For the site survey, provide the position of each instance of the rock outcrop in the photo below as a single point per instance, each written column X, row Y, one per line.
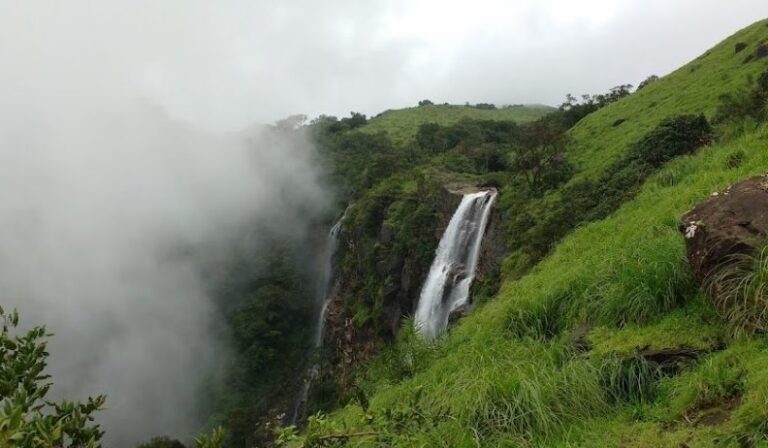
column 734, row 221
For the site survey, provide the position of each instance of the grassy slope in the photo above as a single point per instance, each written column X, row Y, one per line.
column 693, row 88
column 402, row 124
column 506, row 377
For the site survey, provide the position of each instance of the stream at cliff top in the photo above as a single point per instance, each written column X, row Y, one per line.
column 447, row 285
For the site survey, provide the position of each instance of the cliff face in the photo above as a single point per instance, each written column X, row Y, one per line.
column 359, row 325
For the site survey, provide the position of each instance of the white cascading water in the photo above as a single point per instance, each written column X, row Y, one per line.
column 324, row 297
column 453, row 269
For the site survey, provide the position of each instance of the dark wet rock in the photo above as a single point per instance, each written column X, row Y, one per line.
column 578, row 341
column 459, row 313
column 668, row 361
column 734, row 221
column 386, row 235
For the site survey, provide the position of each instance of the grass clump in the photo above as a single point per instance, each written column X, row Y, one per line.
column 739, row 289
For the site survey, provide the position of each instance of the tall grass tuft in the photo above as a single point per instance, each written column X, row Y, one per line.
column 739, row 288
column 631, row 380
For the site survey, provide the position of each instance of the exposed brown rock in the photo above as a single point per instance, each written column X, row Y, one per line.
column 734, row 221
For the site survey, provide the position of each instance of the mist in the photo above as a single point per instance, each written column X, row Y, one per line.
column 110, row 208
column 105, row 220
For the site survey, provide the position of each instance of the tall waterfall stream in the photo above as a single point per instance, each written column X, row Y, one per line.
column 447, row 285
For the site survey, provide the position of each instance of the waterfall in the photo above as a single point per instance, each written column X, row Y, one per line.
column 453, row 269
column 324, row 297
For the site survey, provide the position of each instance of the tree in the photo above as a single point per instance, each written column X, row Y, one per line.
column 27, row 418
column 355, row 120
column 425, row 103
column 647, row 81
column 539, row 155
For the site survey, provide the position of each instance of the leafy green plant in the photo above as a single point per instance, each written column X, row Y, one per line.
column 745, row 103
column 27, row 417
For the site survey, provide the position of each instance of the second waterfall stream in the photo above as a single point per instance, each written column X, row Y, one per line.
column 453, row 269
column 324, row 297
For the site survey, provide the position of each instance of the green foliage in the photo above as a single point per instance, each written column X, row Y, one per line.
column 409, row 355
column 672, row 138
column 506, row 375
column 735, row 159
column 647, row 81
column 214, row 439
column 267, row 302
column 360, row 160
column 27, row 417
column 402, row 125
column 573, row 110
column 539, row 156
column 162, row 442
column 537, row 225
column 745, row 104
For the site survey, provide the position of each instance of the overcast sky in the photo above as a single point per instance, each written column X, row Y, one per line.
column 226, row 63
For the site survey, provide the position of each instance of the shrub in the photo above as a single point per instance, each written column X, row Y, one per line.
column 735, row 159
column 537, row 225
column 745, row 104
column 647, row 81
column 162, row 442
column 673, row 137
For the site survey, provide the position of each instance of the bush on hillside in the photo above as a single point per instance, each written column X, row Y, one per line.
column 355, row 120
column 745, row 104
column 735, row 159
column 647, row 81
column 536, row 226
column 673, row 137
column 573, row 109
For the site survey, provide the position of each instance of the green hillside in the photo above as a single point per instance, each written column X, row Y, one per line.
column 402, row 124
column 511, row 373
column 694, row 88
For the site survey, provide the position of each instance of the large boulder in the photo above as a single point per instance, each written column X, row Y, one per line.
column 734, row 221
column 723, row 237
